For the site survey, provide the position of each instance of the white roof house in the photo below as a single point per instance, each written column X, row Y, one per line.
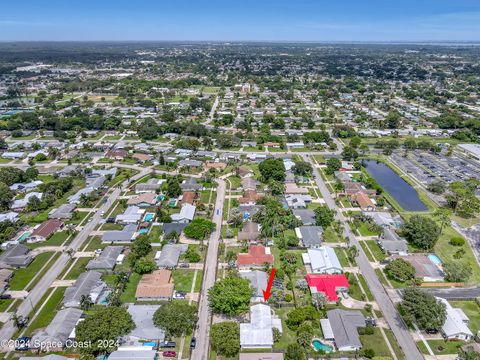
column 22, row 203
column 132, row 215
column 322, row 260
column 258, row 332
column 186, row 214
column 455, row 326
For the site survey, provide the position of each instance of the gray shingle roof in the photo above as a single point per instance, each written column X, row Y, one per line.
column 311, row 235
column 107, row 258
column 170, row 255
column 60, row 328
column 344, row 324
column 87, row 283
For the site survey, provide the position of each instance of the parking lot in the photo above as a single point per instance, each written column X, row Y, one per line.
column 427, row 168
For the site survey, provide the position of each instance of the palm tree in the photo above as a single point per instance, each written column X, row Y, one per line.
column 86, row 302
column 443, row 217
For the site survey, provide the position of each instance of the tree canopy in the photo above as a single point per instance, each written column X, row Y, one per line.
column 423, row 309
column 272, row 169
column 421, row 231
column 230, row 296
column 225, row 338
column 175, row 318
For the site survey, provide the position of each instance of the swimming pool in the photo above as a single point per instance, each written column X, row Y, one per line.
column 148, row 217
column 160, row 197
column 24, row 236
column 318, row 345
column 172, row 202
column 143, row 231
column 435, row 259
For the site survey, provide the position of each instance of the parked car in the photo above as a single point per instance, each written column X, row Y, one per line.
column 193, row 343
column 168, row 344
column 169, row 354
column 5, row 296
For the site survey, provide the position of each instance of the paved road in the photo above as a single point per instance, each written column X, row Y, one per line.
column 36, row 294
column 384, row 302
column 456, row 293
column 202, row 332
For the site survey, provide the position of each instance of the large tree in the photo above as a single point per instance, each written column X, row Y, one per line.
column 400, row 270
column 272, row 169
column 295, row 352
column 324, row 216
column 423, row 309
column 230, row 296
column 175, row 318
column 102, row 326
column 333, row 164
column 421, row 231
column 225, row 338
column 199, row 229
column 457, row 271
column 6, row 196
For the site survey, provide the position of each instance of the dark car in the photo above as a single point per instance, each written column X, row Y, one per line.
column 5, row 296
column 23, row 343
column 169, row 354
column 193, row 343
column 110, row 220
column 168, row 344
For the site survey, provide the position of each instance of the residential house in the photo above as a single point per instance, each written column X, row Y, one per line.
column 145, row 330
column 425, row 268
column 306, row 216
column 298, row 201
column 249, row 197
column 186, row 214
column 258, row 333
column 21, row 204
column 328, row 284
column 64, row 211
column 455, row 326
column 261, row 356
column 155, row 286
column 310, row 236
column 43, row 231
column 250, row 231
column 190, row 184
column 341, row 327
column 249, row 183
column 58, row 331
column 258, row 282
column 142, row 157
column 173, row 227
column 126, row 235
column 215, row 165
column 87, row 284
column 131, row 215
column 363, row 201
column 9, row 216
column 170, row 254
column 16, row 256
column 294, row 189
column 151, row 185
column 144, row 200
column 5, row 276
column 136, row 352
column 391, row 243
column 322, row 260
column 257, row 257
column 190, row 163
column 189, row 197
column 107, row 259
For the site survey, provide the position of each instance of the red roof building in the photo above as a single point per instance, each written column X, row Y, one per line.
column 328, row 284
column 47, row 228
column 257, row 256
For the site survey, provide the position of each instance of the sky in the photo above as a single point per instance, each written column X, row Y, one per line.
column 232, row 20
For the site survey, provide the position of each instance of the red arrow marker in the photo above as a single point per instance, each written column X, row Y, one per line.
column 267, row 293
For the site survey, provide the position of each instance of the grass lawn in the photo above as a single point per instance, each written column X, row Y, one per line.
column 205, row 196
column 48, row 312
column 78, row 268
column 440, row 347
column 183, row 278
column 235, row 181
column 56, row 239
column 128, row 295
column 78, row 217
column 365, row 287
column 95, row 243
column 375, row 342
column 393, row 341
column 288, row 336
column 375, row 249
column 472, row 310
column 364, row 231
column 111, row 226
column 445, row 251
column 354, row 289
column 198, row 281
column 329, row 235
column 366, row 250
column 342, row 256
column 5, row 303
column 21, row 277
column 381, row 277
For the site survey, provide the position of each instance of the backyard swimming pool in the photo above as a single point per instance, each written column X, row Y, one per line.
column 24, row 236
column 435, row 259
column 148, row 217
column 318, row 345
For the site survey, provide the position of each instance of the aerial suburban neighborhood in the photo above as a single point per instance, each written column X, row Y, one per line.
column 239, row 201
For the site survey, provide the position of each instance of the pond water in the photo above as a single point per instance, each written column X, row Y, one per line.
column 404, row 194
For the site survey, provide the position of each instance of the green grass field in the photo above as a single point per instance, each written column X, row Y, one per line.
column 21, row 277
column 182, row 279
